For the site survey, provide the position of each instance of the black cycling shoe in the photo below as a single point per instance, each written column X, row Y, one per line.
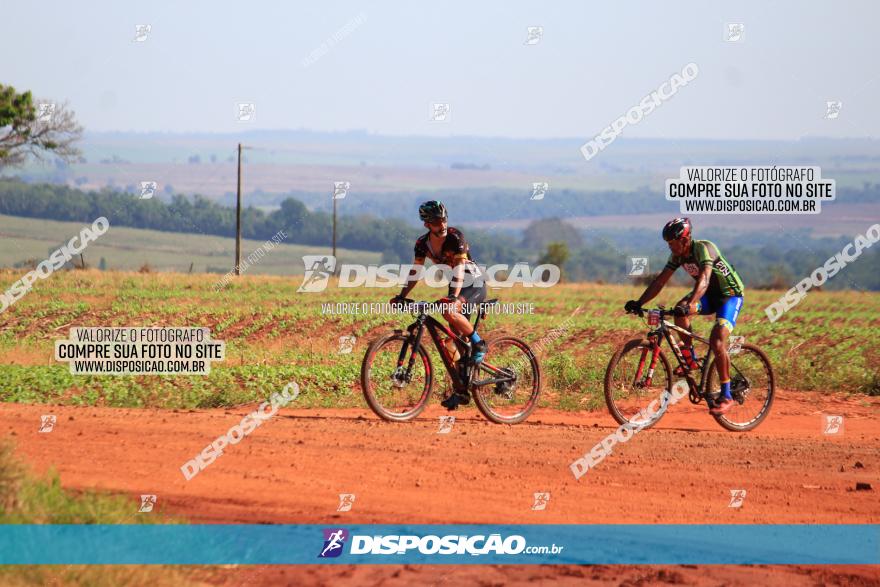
column 456, row 399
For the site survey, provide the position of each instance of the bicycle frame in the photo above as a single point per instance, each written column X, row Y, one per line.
column 665, row 331
column 461, row 379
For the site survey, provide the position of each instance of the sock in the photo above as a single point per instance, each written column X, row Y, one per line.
column 475, row 338
column 725, row 389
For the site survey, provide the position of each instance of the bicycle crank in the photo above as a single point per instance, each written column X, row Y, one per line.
column 693, row 395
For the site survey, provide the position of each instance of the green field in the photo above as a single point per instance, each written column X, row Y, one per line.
column 274, row 334
column 129, row 249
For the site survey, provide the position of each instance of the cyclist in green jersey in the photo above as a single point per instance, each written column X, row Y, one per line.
column 718, row 290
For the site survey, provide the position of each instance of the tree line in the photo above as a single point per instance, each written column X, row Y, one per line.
column 393, row 237
column 762, row 260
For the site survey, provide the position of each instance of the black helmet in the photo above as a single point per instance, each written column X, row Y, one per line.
column 677, row 228
column 432, row 210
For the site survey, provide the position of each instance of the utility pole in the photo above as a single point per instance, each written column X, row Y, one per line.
column 334, row 225
column 238, row 218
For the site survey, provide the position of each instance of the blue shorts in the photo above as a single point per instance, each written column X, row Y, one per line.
column 726, row 310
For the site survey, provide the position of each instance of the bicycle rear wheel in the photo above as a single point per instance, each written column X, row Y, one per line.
column 513, row 378
column 752, row 384
column 393, row 392
column 630, row 397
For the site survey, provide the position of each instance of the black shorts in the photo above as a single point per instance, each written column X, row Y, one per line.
column 472, row 295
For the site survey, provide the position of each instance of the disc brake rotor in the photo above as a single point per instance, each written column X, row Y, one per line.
column 739, row 388
column 399, row 378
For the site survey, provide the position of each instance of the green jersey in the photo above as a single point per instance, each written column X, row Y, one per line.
column 725, row 281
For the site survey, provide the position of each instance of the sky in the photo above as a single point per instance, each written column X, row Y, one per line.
column 381, row 66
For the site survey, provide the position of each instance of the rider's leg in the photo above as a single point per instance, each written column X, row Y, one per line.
column 687, row 343
column 685, row 322
column 724, row 324
column 473, row 295
column 718, row 343
column 459, row 324
column 457, row 321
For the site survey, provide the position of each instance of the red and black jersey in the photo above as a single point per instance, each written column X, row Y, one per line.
column 454, row 247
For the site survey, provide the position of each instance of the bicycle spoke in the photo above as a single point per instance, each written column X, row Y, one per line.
column 513, row 378
column 398, row 389
column 750, row 385
column 630, row 392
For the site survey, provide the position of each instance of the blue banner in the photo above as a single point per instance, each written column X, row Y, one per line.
column 439, row 544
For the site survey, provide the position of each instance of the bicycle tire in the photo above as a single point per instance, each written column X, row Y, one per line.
column 485, row 407
column 771, row 392
column 373, row 401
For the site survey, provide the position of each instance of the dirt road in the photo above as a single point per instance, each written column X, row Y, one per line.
column 293, row 468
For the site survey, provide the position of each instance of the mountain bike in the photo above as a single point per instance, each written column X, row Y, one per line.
column 397, row 375
column 639, row 373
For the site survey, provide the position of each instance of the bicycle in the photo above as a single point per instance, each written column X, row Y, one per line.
column 397, row 386
column 628, row 382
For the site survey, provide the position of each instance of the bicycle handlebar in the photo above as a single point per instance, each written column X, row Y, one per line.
column 676, row 311
column 413, row 305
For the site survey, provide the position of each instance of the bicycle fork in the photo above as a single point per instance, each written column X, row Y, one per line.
column 654, row 349
column 404, row 375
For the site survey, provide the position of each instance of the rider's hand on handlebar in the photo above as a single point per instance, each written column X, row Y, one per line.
column 446, row 301
column 633, row 307
column 682, row 310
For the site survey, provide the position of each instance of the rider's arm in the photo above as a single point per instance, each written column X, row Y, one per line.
column 412, row 279
column 705, row 253
column 701, row 286
column 656, row 286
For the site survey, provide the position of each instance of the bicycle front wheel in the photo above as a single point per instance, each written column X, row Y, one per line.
column 507, row 383
column 632, row 397
column 752, row 385
column 397, row 393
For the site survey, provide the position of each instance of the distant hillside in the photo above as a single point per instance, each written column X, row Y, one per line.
column 304, row 165
column 129, row 249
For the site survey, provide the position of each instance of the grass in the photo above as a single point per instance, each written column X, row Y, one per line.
column 128, row 249
column 274, row 334
column 28, row 499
